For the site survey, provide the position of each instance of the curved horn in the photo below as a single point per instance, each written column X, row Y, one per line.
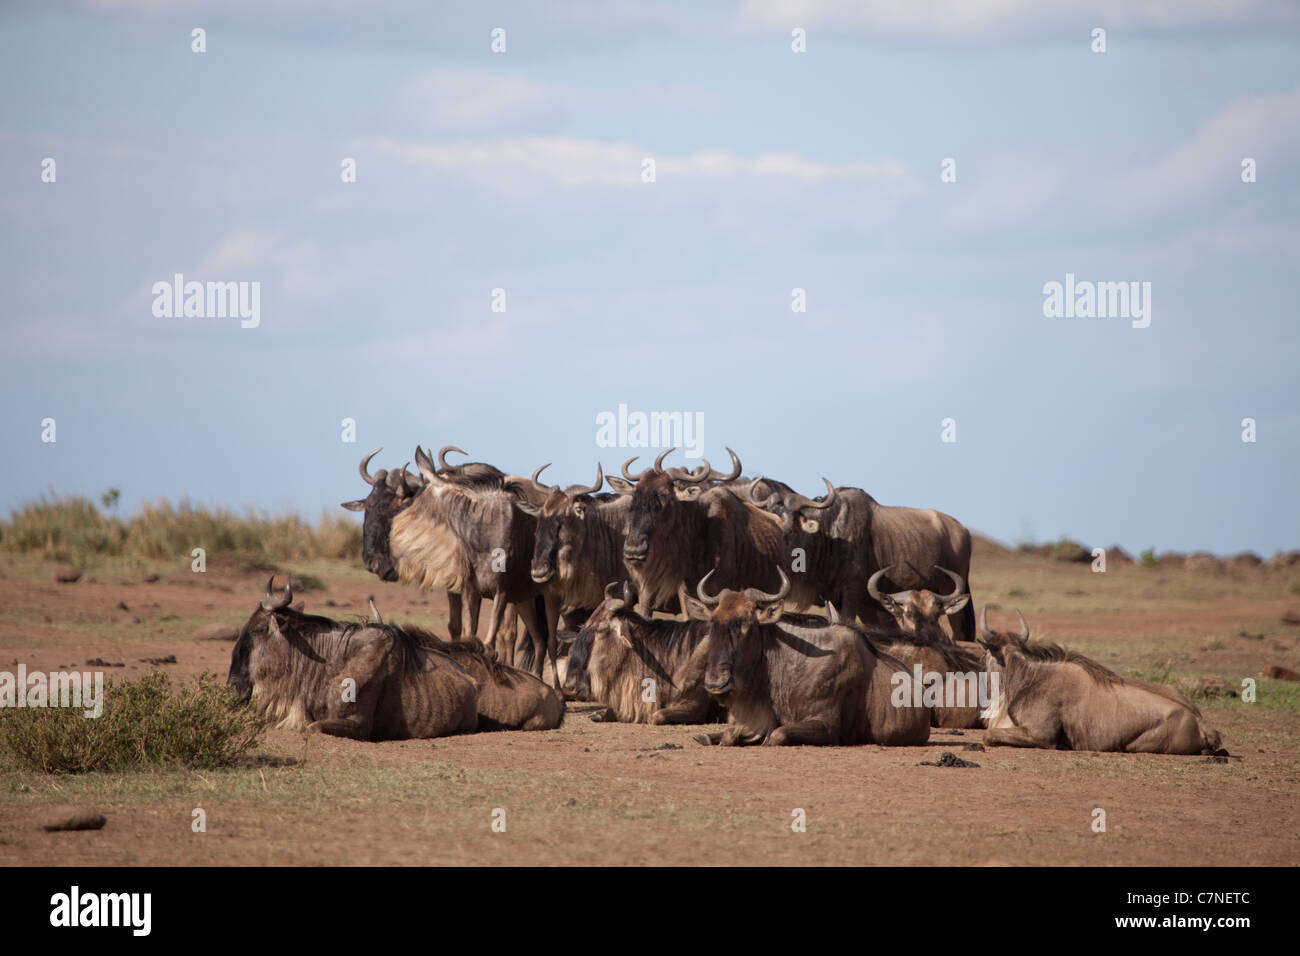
column 659, row 462
column 537, row 484
column 600, row 481
column 763, row 503
column 704, row 598
column 365, row 462
column 873, row 584
column 758, row 597
column 275, row 602
column 984, row 622
column 1024, row 627
column 611, row 594
column 375, row 617
column 629, row 476
column 428, row 471
column 799, row 502
column 442, row 455
column 735, row 469
column 629, row 599
column 959, row 584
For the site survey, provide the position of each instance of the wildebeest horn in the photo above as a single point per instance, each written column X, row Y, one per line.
column 959, row 585
column 1024, row 627
column 274, row 602
column 699, row 592
column 600, row 481
column 873, row 584
column 659, row 462
column 375, row 617
column 442, row 455
column 800, row 502
column 537, row 484
column 700, row 474
column 628, row 475
column 423, row 462
column 366, row 461
column 629, row 599
column 612, row 594
column 984, row 631
column 735, row 469
column 758, row 597
column 752, row 487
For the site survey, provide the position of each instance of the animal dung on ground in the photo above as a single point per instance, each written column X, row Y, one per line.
column 1277, row 672
column 67, row 818
column 169, row 659
column 100, row 662
column 67, row 575
column 948, row 759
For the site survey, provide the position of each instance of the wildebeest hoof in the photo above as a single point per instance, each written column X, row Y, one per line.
column 703, row 739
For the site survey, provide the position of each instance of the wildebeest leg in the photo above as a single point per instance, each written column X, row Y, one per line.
column 527, row 611
column 963, row 623
column 737, row 735
column 474, row 600
column 356, row 727
column 495, row 646
column 690, row 710
column 603, row 716
column 814, row 732
column 712, row 739
column 453, row 615
column 551, row 603
column 1042, row 738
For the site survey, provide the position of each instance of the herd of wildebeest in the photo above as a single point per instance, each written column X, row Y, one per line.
column 730, row 564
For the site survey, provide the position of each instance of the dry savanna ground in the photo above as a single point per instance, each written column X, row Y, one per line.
column 622, row 794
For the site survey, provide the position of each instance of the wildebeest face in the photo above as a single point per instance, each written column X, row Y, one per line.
column 559, row 529
column 651, row 501
column 998, row 643
column 390, row 493
column 918, row 611
column 732, row 635
column 261, row 642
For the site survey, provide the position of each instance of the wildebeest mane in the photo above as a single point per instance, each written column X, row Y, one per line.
column 1043, row 652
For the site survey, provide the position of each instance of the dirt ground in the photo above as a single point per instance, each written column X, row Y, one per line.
column 627, row 794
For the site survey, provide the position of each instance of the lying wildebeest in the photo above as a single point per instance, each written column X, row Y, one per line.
column 798, row 679
column 676, row 537
column 1056, row 699
column 853, row 534
column 349, row 680
column 644, row 671
column 508, row 698
column 918, row 610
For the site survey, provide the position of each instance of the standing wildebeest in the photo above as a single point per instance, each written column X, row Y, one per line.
column 508, row 698
column 618, row 652
column 801, row 680
column 1056, row 699
column 579, row 544
column 349, row 680
column 390, row 493
column 480, row 534
column 676, row 537
column 870, row 536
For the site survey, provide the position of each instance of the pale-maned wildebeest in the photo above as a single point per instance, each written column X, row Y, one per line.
column 392, row 491
column 508, row 698
column 1056, row 699
column 798, row 679
column 675, row 537
column 867, row 536
column 644, row 671
column 481, row 534
column 351, row 680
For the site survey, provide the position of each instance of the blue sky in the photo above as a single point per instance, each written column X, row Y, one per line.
column 775, row 170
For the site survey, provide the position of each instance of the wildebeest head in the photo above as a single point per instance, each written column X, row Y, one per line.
column 733, row 617
column 919, row 610
column 997, row 642
column 606, row 634
column 559, row 524
column 654, row 503
column 783, row 501
column 262, row 647
column 390, row 492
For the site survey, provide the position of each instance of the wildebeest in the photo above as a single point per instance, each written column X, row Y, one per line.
column 797, row 679
column 508, row 698
column 675, row 538
column 865, row 536
column 1056, row 699
column 350, row 680
column 918, row 610
column 642, row 670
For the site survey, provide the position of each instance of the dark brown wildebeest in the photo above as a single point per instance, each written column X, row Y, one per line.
column 508, row 698
column 350, row 680
column 675, row 537
column 579, row 543
column 869, row 536
column 918, row 610
column 1056, row 699
column 644, row 671
column 798, row 679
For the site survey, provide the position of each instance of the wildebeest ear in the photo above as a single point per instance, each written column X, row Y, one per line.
column 527, row 507
column 809, row 525
column 620, row 485
column 579, row 510
column 696, row 609
column 566, row 637
column 688, row 492
column 620, row 631
column 832, row 615
column 957, row 604
column 354, row 505
column 769, row 613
